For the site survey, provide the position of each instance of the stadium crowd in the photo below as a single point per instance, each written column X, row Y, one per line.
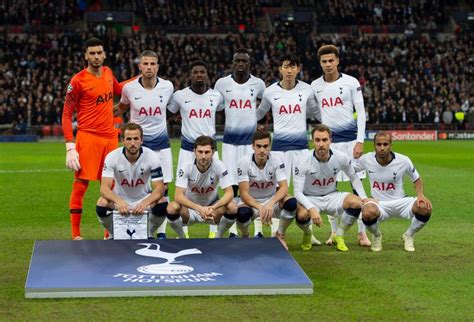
column 405, row 79
column 207, row 14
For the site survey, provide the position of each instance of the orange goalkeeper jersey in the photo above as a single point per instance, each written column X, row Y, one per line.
column 92, row 98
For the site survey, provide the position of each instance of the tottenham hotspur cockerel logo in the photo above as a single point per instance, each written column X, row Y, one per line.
column 171, row 266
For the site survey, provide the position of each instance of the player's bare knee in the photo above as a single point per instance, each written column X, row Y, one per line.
column 302, row 215
column 370, row 212
column 102, row 202
column 352, row 201
column 231, row 208
column 173, row 208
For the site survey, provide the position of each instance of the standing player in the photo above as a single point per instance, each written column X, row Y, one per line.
column 197, row 105
column 125, row 182
column 338, row 94
column 264, row 189
column 196, row 199
column 147, row 97
column 386, row 171
column 240, row 91
column 315, row 187
column 90, row 94
column 290, row 100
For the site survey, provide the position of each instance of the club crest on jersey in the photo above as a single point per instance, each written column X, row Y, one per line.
column 301, row 97
column 240, row 104
column 383, row 186
column 104, row 98
column 251, row 91
column 331, row 102
column 394, row 175
column 211, row 102
column 132, row 183
column 334, row 171
column 290, row 109
column 142, row 170
column 161, row 98
column 323, row 182
column 211, row 179
column 199, row 113
column 340, row 90
column 149, row 111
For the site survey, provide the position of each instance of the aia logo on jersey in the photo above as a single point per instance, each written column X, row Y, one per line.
column 383, row 186
column 149, row 111
column 132, row 183
column 331, row 102
column 261, row 185
column 290, row 109
column 199, row 113
column 101, row 99
column 324, row 182
column 202, row 190
column 240, row 104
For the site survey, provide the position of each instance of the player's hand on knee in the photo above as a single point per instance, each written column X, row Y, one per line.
column 423, row 202
column 139, row 209
column 267, row 214
column 316, row 217
column 122, row 207
column 72, row 157
column 358, row 150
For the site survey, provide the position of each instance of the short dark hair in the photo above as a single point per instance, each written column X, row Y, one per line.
column 242, row 51
column 148, row 53
column 321, row 128
column 132, row 127
column 383, row 133
column 260, row 135
column 93, row 42
column 204, row 140
column 197, row 63
column 328, row 49
column 293, row 59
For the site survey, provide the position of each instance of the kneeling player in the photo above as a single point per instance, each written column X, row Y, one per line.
column 259, row 174
column 315, row 187
column 386, row 170
column 125, row 182
column 196, row 199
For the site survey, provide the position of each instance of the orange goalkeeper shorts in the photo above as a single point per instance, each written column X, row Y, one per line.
column 92, row 151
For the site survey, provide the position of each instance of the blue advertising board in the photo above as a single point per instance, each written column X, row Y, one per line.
column 98, row 268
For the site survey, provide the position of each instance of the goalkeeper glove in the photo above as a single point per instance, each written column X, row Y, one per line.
column 72, row 157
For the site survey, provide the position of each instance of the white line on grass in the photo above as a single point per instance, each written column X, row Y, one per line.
column 33, row 171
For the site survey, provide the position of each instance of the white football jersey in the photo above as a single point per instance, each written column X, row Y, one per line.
column 201, row 187
column 131, row 181
column 198, row 114
column 337, row 101
column 289, row 109
column 262, row 182
column 314, row 178
column 148, row 108
column 240, row 106
column 386, row 182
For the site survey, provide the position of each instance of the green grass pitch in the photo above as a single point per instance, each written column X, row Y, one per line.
column 434, row 283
